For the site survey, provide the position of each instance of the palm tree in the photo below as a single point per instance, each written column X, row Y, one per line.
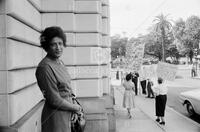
column 162, row 25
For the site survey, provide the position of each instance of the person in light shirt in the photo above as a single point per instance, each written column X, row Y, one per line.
column 160, row 102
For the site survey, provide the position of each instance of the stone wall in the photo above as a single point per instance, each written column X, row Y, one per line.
column 87, row 57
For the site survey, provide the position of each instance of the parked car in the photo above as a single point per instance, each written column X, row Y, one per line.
column 191, row 100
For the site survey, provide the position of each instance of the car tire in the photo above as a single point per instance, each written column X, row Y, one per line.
column 190, row 109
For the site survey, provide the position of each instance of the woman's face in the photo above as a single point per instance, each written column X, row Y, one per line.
column 56, row 47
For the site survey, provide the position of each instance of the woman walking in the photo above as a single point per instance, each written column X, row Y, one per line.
column 160, row 102
column 128, row 100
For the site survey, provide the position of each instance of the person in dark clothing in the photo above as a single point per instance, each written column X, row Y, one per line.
column 143, row 85
column 117, row 75
column 150, row 93
column 135, row 81
column 193, row 71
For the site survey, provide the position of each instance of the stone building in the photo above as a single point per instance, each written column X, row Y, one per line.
column 87, row 57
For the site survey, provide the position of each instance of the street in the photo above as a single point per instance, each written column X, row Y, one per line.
column 183, row 78
column 173, row 101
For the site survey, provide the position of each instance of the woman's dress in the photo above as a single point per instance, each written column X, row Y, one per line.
column 128, row 99
column 54, row 82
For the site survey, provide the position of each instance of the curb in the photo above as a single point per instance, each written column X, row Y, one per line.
column 161, row 127
column 196, row 78
column 172, row 111
column 186, row 118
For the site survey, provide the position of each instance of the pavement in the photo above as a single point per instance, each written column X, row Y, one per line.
column 143, row 119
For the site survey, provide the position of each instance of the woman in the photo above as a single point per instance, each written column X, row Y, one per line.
column 54, row 82
column 128, row 100
column 161, row 99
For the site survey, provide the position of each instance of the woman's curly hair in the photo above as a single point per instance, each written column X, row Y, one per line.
column 129, row 77
column 49, row 33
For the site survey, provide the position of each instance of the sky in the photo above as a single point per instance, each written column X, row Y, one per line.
column 132, row 17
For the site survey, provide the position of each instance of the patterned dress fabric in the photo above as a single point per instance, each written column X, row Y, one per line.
column 128, row 99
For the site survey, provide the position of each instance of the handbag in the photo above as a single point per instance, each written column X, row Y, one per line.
column 78, row 121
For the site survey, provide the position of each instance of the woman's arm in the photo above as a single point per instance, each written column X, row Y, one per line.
column 132, row 86
column 47, row 82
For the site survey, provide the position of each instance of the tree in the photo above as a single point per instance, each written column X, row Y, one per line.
column 162, row 26
column 173, row 53
column 192, row 29
column 187, row 35
column 152, row 46
column 179, row 29
column 179, row 32
column 118, row 46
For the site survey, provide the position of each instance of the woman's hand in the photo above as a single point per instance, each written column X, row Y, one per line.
column 77, row 108
column 79, row 111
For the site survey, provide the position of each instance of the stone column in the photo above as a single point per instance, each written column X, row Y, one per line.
column 20, row 97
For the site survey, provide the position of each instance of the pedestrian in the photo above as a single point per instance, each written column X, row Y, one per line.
column 135, row 81
column 117, row 75
column 160, row 101
column 193, row 72
column 143, row 83
column 128, row 99
column 54, row 82
column 150, row 93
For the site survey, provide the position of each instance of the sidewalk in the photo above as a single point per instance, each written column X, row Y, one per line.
column 144, row 117
column 139, row 123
